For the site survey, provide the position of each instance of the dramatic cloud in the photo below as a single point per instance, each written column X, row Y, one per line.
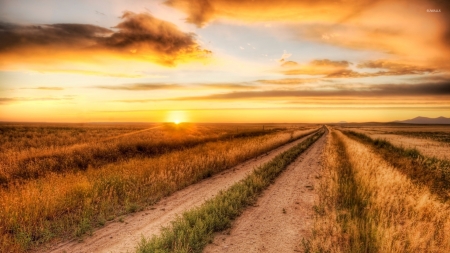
column 394, row 27
column 200, row 12
column 139, row 36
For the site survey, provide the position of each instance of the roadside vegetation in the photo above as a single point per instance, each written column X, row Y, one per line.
column 367, row 205
column 192, row 231
column 73, row 203
column 430, row 172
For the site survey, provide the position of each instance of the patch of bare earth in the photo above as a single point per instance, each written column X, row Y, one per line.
column 283, row 216
column 124, row 236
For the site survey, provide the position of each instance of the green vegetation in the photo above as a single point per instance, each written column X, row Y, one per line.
column 431, row 172
column 194, row 229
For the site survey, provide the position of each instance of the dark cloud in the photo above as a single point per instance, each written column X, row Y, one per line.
column 381, row 90
column 143, row 33
column 137, row 36
column 50, row 37
column 140, row 87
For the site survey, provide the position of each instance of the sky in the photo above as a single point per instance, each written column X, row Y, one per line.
column 311, row 61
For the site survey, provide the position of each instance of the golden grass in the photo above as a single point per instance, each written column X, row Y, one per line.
column 430, row 141
column 327, row 233
column 28, row 158
column 73, row 203
column 407, row 216
column 398, row 215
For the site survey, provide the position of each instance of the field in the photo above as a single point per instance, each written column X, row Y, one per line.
column 224, row 188
column 60, row 181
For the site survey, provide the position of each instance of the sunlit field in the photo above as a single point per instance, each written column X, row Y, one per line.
column 65, row 180
column 376, row 196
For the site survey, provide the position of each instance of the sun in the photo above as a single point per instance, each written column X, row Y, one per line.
column 177, row 121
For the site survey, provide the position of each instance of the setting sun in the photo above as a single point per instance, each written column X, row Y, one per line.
column 188, row 117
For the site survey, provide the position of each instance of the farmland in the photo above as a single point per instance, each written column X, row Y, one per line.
column 224, row 188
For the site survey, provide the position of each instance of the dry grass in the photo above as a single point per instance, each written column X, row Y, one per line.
column 395, row 214
column 70, row 204
column 429, row 172
column 33, row 151
column 407, row 217
column 432, row 141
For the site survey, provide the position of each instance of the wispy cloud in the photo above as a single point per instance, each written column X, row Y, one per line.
column 5, row 100
column 44, row 88
column 381, row 90
column 341, row 69
column 140, row 87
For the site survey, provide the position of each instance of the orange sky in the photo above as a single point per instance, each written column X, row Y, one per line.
column 224, row 61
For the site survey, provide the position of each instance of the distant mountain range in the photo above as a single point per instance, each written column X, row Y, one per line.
column 425, row 120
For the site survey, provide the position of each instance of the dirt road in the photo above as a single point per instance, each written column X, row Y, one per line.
column 123, row 237
column 282, row 216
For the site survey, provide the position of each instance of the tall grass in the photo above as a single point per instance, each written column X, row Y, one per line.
column 100, row 152
column 431, row 172
column 393, row 214
column 342, row 223
column 194, row 229
column 436, row 136
column 73, row 203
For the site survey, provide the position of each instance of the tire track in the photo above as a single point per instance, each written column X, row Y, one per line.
column 122, row 237
column 283, row 215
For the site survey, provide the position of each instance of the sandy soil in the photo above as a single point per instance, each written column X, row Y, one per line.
column 282, row 216
column 125, row 236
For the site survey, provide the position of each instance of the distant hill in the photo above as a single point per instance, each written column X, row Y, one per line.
column 425, row 120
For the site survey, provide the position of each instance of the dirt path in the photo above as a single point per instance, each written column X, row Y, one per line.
column 282, row 216
column 123, row 237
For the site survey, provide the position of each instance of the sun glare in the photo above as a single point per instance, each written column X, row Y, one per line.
column 177, row 122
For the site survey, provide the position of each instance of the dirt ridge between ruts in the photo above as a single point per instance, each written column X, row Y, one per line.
column 124, row 236
column 283, row 215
